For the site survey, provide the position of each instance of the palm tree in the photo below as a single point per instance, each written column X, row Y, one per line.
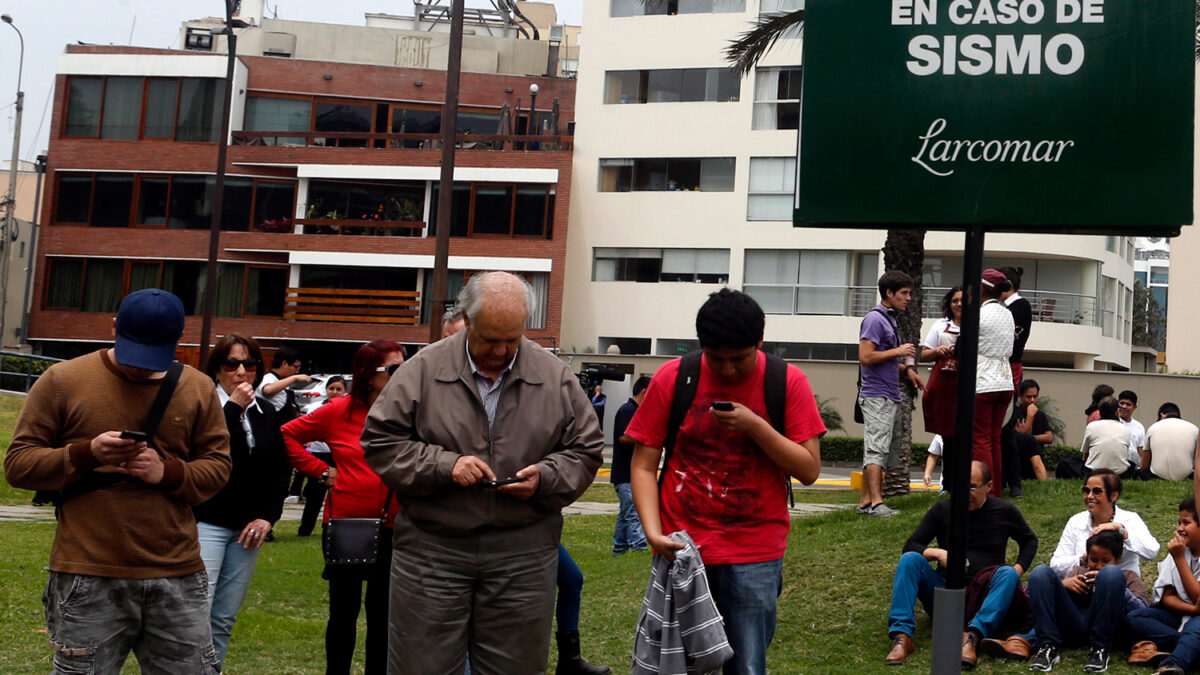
column 904, row 249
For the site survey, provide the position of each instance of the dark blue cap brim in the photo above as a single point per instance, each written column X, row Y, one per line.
column 147, row 357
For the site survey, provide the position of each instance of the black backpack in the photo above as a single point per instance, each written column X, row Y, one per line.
column 687, row 381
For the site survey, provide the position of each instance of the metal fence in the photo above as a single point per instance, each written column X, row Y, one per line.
column 18, row 370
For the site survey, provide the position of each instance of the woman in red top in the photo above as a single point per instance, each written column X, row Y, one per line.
column 355, row 491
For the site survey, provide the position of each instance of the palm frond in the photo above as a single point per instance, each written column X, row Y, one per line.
column 749, row 48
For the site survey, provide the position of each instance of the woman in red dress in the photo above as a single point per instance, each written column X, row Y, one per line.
column 941, row 391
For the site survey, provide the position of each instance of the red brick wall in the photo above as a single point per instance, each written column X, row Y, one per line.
column 379, row 83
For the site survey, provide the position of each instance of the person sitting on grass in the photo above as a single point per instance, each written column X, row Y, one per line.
column 1167, row 623
column 991, row 523
column 1086, row 606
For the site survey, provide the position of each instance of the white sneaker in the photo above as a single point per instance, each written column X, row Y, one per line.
column 291, row 499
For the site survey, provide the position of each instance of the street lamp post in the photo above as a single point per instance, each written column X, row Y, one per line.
column 530, row 128
column 218, row 205
column 9, row 233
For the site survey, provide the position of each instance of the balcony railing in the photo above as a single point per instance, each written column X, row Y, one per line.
column 355, row 139
column 1048, row 306
column 352, row 305
column 393, row 228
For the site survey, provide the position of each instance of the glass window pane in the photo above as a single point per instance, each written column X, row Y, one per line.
column 769, row 207
column 74, row 198
column 460, row 210
column 765, row 117
column 340, row 117
column 772, row 267
column 274, row 205
column 766, row 82
column 122, row 108
column 64, row 284
column 493, row 209
column 114, row 199
column 823, row 268
column 266, row 291
column 650, row 174
column 729, row 85
column 772, row 174
column 678, row 264
column 695, row 84
column 604, row 269
column 530, row 211
column 478, row 122
column 200, row 103
column 787, row 115
column 695, row 6
column 327, row 200
column 684, row 173
column 623, row 86
column 152, row 200
column 664, row 86
column 160, row 108
column 729, row 6
column 626, row 8
column 712, row 261
column 278, row 114
column 83, row 107
column 773, row 300
column 102, row 285
column 716, row 174
column 191, row 203
column 415, row 121
column 820, row 301
column 367, row 202
column 229, row 290
column 143, row 275
column 616, row 175
column 790, row 82
column 235, row 207
column 184, row 279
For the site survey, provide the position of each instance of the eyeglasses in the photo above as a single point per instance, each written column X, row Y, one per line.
column 231, row 365
column 388, row 369
column 980, row 487
column 1093, row 490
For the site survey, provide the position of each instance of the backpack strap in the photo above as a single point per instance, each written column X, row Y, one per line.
column 775, row 396
column 687, row 381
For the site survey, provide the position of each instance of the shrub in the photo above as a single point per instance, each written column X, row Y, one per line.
column 850, row 449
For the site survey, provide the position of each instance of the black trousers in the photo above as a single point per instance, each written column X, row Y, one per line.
column 345, row 602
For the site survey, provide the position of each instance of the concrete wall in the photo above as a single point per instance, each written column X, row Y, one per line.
column 1183, row 322
column 1070, row 389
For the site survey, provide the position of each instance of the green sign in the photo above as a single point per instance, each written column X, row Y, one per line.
column 1032, row 115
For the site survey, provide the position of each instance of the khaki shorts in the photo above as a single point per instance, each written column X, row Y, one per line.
column 881, row 431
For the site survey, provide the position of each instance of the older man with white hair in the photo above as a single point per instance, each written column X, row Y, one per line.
column 484, row 437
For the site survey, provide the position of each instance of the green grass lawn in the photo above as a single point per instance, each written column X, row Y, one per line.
column 832, row 613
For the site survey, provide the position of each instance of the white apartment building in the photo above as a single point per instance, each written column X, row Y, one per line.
column 683, row 182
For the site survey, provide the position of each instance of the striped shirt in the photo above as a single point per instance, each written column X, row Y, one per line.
column 489, row 389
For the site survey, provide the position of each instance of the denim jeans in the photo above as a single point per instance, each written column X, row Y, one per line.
column 230, row 567
column 629, row 535
column 94, row 622
column 1187, row 650
column 1057, row 619
column 916, row 580
column 746, row 595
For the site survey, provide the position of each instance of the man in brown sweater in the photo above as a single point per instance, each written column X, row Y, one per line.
column 125, row 567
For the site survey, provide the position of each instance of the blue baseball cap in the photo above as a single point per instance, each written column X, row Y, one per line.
column 149, row 325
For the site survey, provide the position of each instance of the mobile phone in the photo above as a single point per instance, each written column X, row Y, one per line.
column 499, row 482
column 723, row 406
column 131, row 435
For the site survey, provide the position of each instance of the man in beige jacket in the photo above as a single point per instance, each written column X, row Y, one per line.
column 475, row 563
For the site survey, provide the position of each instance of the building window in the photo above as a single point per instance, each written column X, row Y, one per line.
column 652, row 265
column 767, row 7
column 777, row 98
column 133, row 108
column 278, row 114
column 673, row 7
column 772, row 188
column 679, row 84
column 174, row 202
column 673, row 347
column 798, row 282
column 702, row 174
column 64, row 283
column 498, row 210
column 343, row 118
column 1160, row 275
column 624, row 345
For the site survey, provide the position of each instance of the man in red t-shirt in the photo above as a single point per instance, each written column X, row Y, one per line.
column 725, row 483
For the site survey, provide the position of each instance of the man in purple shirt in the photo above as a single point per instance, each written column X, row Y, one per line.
column 883, row 356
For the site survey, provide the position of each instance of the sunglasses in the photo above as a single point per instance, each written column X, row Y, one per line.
column 1093, row 490
column 388, row 369
column 231, row 365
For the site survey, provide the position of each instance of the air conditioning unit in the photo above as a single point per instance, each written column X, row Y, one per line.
column 279, row 44
column 198, row 39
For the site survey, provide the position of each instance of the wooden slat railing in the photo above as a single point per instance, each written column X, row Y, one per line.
column 388, row 140
column 352, row 305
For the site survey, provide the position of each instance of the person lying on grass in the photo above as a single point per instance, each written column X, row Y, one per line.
column 1167, row 624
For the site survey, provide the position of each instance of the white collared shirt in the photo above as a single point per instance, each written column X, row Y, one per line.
column 1168, row 575
column 1072, row 545
column 1011, row 299
column 224, row 398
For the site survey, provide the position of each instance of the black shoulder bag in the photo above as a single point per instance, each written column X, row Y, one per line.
column 100, row 480
column 352, row 541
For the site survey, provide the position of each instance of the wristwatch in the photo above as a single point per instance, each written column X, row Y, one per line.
column 325, row 476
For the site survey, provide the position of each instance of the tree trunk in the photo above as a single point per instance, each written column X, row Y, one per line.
column 904, row 250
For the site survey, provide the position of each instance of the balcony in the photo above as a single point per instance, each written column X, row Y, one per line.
column 356, row 139
column 352, row 306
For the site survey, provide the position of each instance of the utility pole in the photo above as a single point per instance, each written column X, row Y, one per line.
column 9, row 233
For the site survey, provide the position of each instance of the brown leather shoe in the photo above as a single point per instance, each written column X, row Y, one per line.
column 969, row 658
column 902, row 647
column 1145, row 653
column 1015, row 648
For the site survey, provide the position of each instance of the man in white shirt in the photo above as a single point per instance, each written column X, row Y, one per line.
column 1106, row 441
column 1170, row 445
column 276, row 386
column 1126, row 406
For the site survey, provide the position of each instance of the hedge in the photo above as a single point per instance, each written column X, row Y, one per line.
column 850, row 449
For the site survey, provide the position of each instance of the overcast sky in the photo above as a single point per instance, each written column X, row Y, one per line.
column 50, row 25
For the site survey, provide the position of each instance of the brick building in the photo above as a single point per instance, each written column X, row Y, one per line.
column 327, row 228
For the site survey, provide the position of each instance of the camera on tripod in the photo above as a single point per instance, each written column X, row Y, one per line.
column 590, row 376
